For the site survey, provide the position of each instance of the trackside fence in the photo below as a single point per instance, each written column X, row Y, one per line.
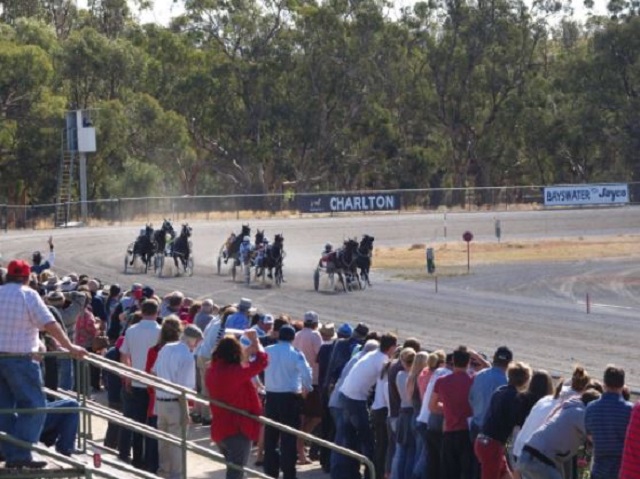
column 89, row 410
column 286, row 203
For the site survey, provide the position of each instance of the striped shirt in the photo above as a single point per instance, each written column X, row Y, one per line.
column 606, row 421
column 23, row 315
column 630, row 468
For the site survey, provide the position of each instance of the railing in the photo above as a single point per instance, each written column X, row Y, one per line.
column 87, row 410
column 121, row 210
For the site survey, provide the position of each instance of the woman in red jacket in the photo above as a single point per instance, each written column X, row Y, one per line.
column 229, row 381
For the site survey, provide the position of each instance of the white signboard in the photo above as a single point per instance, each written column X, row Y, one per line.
column 586, row 195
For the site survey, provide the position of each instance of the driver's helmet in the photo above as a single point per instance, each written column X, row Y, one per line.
column 246, row 239
column 328, row 247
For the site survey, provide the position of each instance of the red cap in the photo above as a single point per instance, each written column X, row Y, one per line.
column 19, row 268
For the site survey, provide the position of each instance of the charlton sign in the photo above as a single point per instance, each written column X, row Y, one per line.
column 337, row 203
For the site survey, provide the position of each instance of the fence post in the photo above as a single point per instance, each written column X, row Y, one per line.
column 184, row 414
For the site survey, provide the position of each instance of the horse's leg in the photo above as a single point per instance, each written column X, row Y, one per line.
column 342, row 280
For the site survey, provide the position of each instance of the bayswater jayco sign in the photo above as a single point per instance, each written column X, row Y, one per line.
column 586, row 195
column 337, row 203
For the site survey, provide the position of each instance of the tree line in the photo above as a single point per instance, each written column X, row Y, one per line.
column 245, row 96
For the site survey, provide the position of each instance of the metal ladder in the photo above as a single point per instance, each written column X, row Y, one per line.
column 65, row 183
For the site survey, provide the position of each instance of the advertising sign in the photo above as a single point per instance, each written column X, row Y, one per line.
column 335, row 203
column 586, row 195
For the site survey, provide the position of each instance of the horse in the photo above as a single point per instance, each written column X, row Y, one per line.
column 273, row 257
column 181, row 248
column 160, row 236
column 232, row 244
column 363, row 257
column 144, row 247
column 342, row 262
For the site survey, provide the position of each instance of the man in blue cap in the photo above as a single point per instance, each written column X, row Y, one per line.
column 287, row 380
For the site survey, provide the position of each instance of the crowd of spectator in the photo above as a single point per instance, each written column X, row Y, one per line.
column 415, row 414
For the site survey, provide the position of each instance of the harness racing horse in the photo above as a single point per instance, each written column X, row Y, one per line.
column 343, row 263
column 363, row 258
column 273, row 258
column 160, row 236
column 232, row 244
column 144, row 247
column 181, row 248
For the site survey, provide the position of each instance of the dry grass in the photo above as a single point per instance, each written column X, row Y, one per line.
column 452, row 257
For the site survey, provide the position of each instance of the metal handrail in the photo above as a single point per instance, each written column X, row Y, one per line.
column 167, row 386
column 184, row 393
column 87, row 470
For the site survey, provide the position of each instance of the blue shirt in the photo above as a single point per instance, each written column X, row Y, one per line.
column 484, row 385
column 288, row 370
column 238, row 320
column 606, row 421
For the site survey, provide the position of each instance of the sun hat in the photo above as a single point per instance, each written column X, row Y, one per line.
column 55, row 297
column 244, row 304
column 328, row 331
column 192, row 331
column 361, row 331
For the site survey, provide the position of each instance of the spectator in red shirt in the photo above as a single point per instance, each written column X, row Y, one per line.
column 450, row 397
column 229, row 381
column 630, row 467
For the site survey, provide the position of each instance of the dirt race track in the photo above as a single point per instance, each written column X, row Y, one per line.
column 536, row 309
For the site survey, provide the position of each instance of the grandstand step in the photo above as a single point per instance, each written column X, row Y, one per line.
column 55, row 469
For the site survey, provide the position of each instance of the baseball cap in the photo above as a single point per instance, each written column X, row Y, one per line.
column 148, row 292
column 503, row 353
column 267, row 319
column 345, row 331
column 19, row 268
column 286, row 333
column 311, row 317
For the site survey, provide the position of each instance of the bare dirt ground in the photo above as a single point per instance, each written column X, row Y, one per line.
column 537, row 307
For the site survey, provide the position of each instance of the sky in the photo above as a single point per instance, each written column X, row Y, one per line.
column 164, row 10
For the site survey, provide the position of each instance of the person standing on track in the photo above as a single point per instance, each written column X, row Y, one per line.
column 38, row 266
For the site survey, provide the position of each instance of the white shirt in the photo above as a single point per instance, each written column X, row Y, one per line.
column 137, row 341
column 424, row 414
column 363, row 375
column 381, row 397
column 23, row 315
column 535, row 419
column 177, row 364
